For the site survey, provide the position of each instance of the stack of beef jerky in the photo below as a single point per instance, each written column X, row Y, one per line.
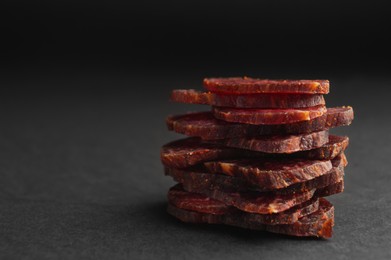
column 261, row 159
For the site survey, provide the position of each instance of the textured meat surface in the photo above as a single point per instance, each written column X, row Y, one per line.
column 251, row 85
column 331, row 189
column 206, row 126
column 334, row 147
column 190, row 151
column 271, row 173
column 182, row 199
column 318, row 224
column 286, row 217
column 200, row 178
column 275, row 116
column 259, row 203
column 339, row 116
column 178, row 197
column 192, row 96
column 279, row 143
column 255, row 202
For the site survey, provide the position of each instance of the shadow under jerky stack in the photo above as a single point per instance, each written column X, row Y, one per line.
column 261, row 159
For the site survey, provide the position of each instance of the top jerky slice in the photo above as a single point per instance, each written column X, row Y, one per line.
column 246, row 85
column 206, row 126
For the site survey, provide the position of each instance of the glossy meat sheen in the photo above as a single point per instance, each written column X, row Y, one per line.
column 201, row 203
column 206, row 126
column 200, row 178
column 271, row 173
column 318, row 224
column 192, row 96
column 268, row 116
column 246, row 85
column 279, row 143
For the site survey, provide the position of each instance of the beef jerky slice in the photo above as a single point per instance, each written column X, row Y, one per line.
column 191, row 151
column 246, row 85
column 317, row 224
column 330, row 190
column 206, row 126
column 268, row 116
column 286, row 217
column 200, row 203
column 255, row 202
column 199, row 178
column 335, row 146
column 279, row 143
column 192, row 96
column 180, row 198
column 271, row 173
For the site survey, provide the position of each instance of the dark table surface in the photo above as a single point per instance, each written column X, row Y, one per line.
column 80, row 175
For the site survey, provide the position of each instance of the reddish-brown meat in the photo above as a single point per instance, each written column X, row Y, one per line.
column 182, row 199
column 335, row 146
column 331, row 189
column 317, row 224
column 279, row 143
column 200, row 178
column 192, row 151
column 192, row 96
column 246, row 85
column 286, row 217
column 271, row 173
column 268, row 116
column 256, row 202
column 204, row 125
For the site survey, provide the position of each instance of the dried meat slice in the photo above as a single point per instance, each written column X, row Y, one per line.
column 283, row 144
column 289, row 216
column 268, row 116
column 335, row 146
column 182, row 199
column 195, row 217
column 192, row 96
column 246, row 85
column 255, row 202
column 206, row 126
column 318, row 224
column 191, row 151
column 199, row 178
column 271, row 173
column 331, row 189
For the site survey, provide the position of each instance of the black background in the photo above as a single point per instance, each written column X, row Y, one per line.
column 85, row 87
column 327, row 35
